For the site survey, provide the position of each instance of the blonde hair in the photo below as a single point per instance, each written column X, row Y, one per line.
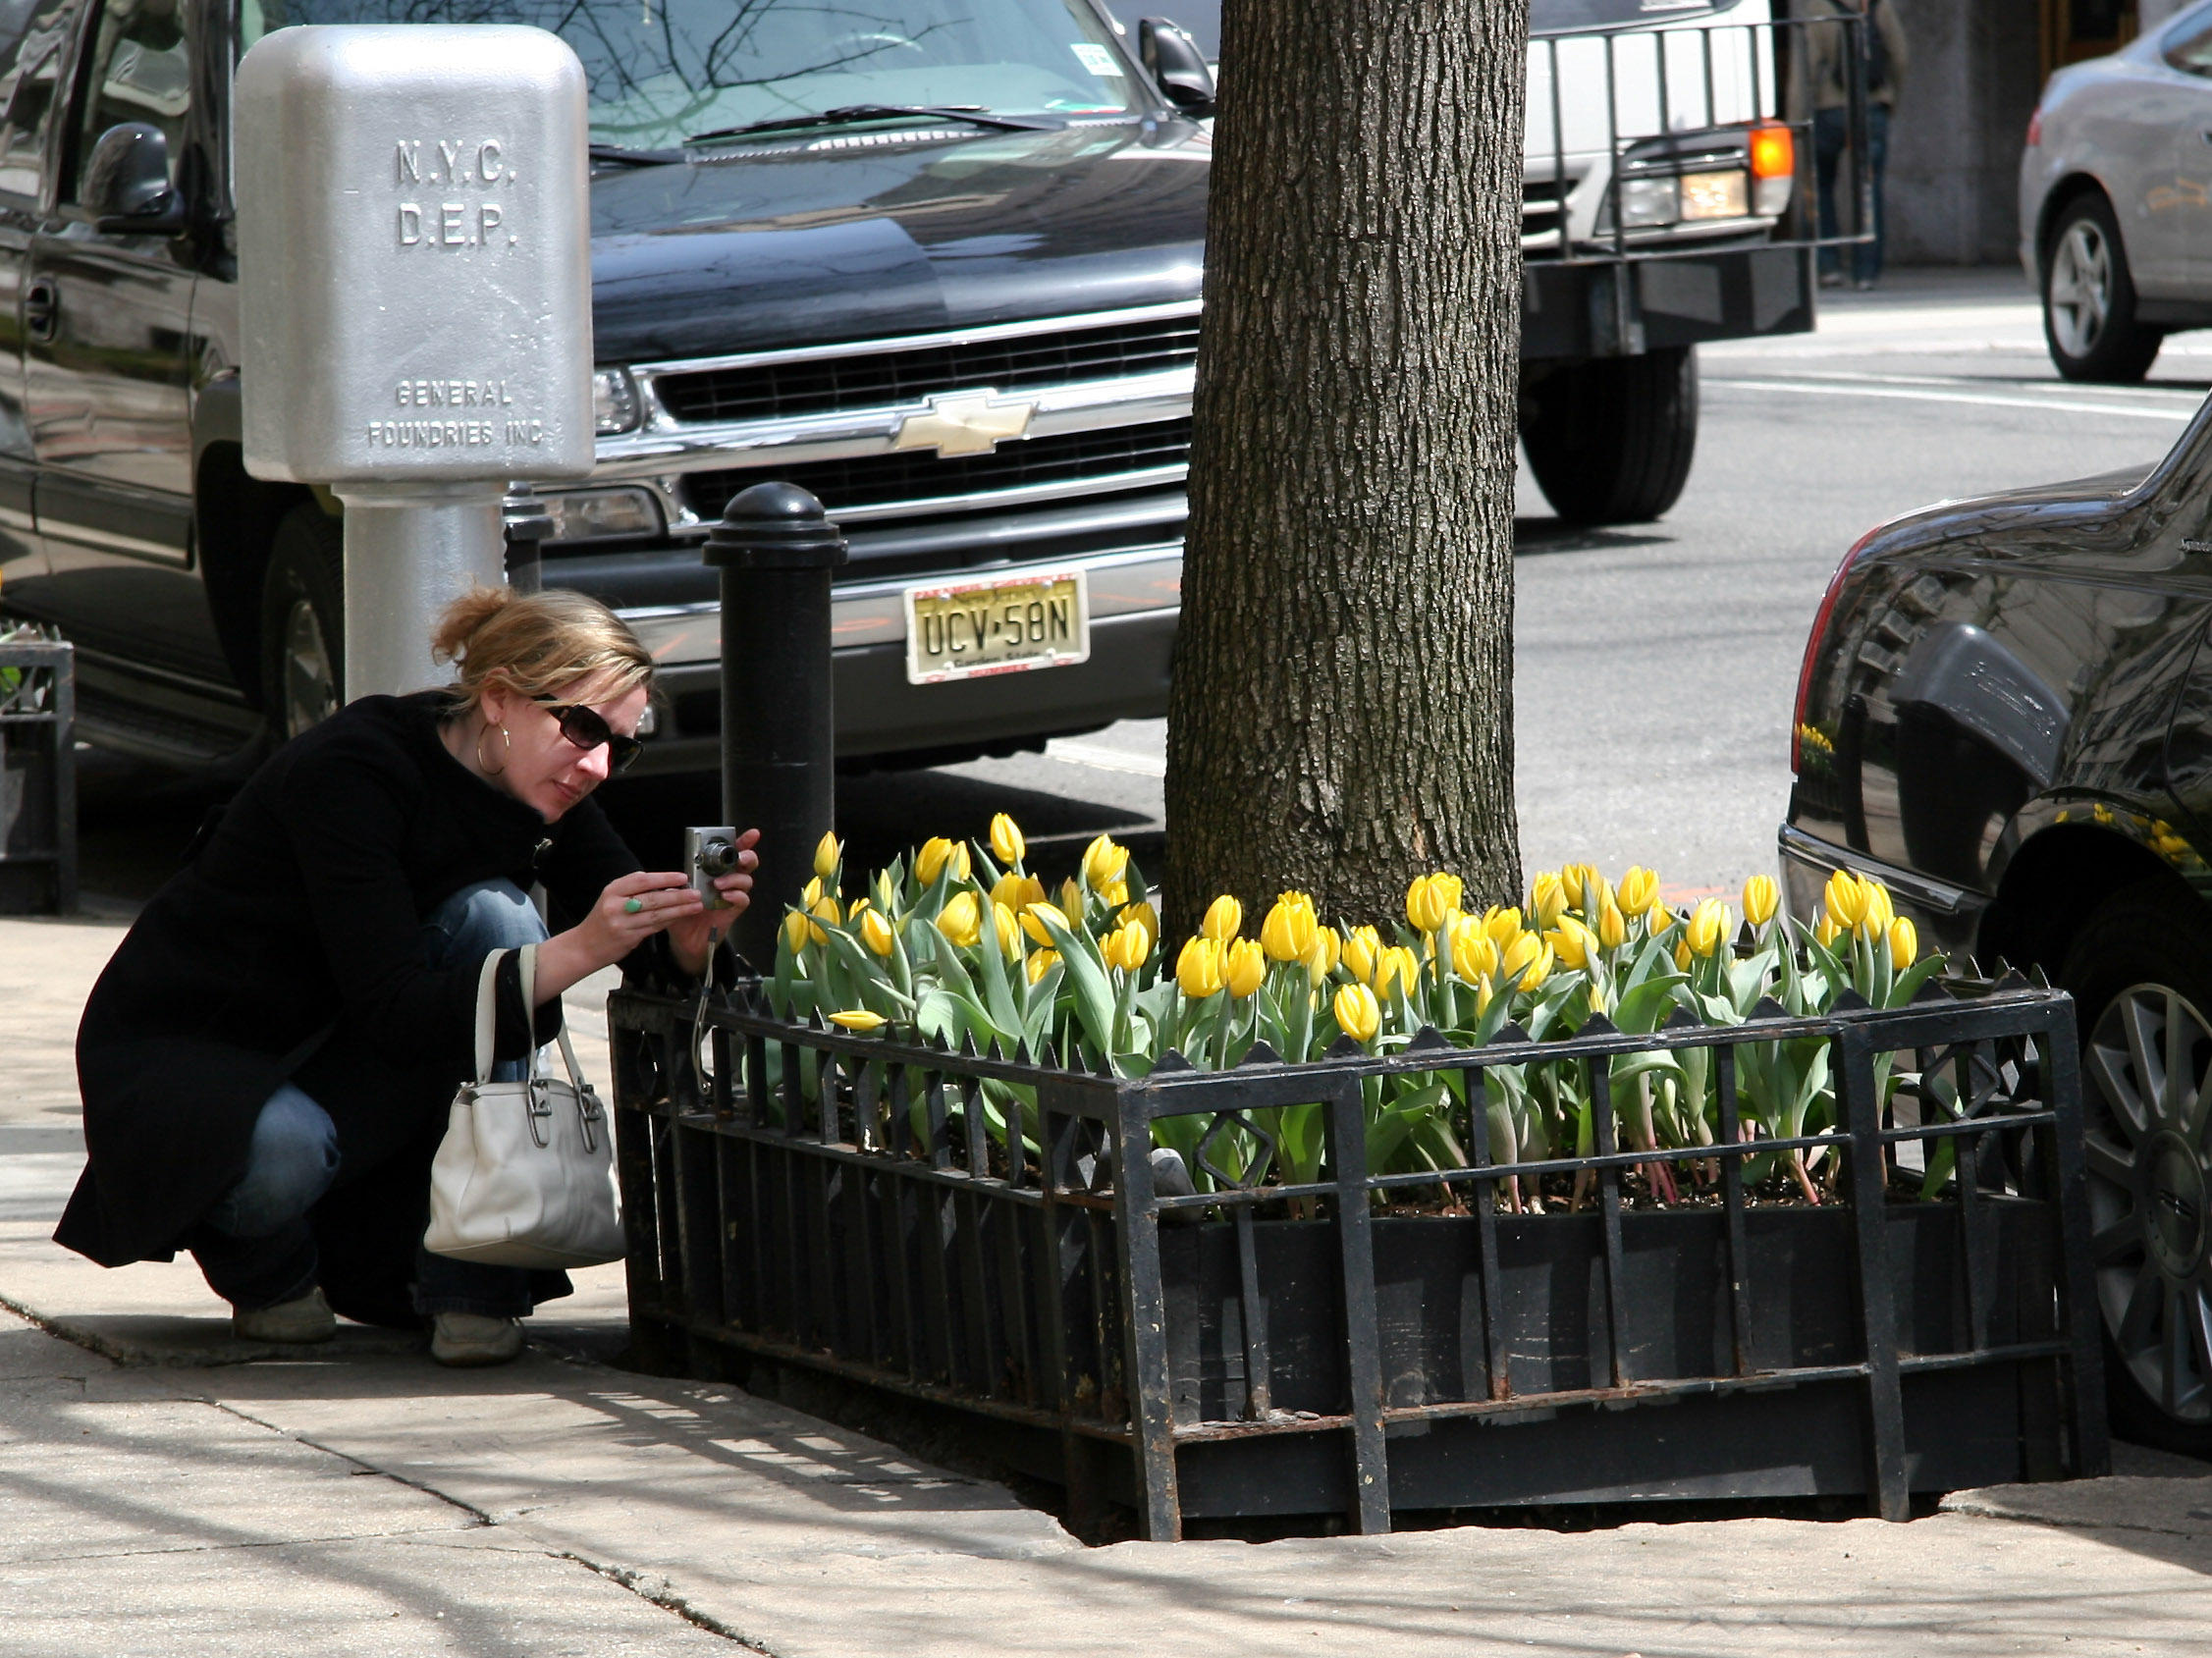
column 535, row 643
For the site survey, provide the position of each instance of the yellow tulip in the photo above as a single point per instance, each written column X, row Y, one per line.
column 1071, row 897
column 1287, row 934
column 1223, row 917
column 827, row 851
column 1612, row 926
column 1126, row 947
column 1572, row 943
column 1357, row 1014
column 938, row 854
column 1427, row 902
column 1142, row 914
column 1538, row 969
column 795, row 930
column 1711, row 925
column 1874, row 922
column 1658, row 918
column 1244, row 967
column 1008, row 926
column 1547, row 899
column 1638, row 891
column 1198, row 970
column 1577, row 881
column 1904, row 943
column 1321, row 960
column 1453, row 888
column 1017, row 891
column 1396, row 964
column 1042, row 963
column 1104, row 862
column 811, row 892
column 1034, row 918
column 825, row 907
column 1114, row 894
column 1363, row 948
column 961, row 919
column 1526, row 961
column 1007, row 842
column 1502, row 924
column 1825, row 929
column 1760, row 897
column 1474, row 954
column 876, row 933
column 1844, row 896
column 859, row 1019
column 1681, row 952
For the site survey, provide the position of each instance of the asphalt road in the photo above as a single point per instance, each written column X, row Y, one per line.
column 1656, row 666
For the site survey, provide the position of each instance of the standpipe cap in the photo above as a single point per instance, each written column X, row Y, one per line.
column 775, row 526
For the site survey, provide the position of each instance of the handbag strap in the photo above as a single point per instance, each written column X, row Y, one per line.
column 487, row 1019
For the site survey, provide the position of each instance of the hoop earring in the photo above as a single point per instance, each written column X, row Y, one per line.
column 507, row 750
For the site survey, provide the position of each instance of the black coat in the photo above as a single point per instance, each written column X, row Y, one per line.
column 290, row 949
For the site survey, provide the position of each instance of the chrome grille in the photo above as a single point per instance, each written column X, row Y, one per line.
column 828, row 385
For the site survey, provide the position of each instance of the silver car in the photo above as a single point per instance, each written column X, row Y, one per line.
column 2115, row 200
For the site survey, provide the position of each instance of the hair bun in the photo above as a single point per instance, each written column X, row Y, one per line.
column 462, row 620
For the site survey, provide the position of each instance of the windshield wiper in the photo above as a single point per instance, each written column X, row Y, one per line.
column 619, row 156
column 975, row 115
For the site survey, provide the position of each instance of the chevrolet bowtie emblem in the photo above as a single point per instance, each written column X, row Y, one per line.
column 971, row 423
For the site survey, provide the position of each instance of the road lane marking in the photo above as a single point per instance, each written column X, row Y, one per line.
column 1100, row 758
column 1907, row 393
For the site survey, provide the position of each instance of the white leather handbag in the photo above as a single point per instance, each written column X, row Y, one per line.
column 526, row 1175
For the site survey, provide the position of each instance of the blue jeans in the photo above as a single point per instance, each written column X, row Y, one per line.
column 1831, row 133
column 263, row 1251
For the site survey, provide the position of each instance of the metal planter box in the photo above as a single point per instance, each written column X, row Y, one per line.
column 834, row 1201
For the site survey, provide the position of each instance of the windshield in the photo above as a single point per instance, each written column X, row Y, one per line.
column 663, row 70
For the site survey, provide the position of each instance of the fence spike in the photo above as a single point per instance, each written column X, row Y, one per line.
column 1424, row 1038
column 1105, row 1066
column 2035, row 976
column 1974, row 968
column 1849, row 1001
column 1022, row 1054
column 1508, row 1032
column 1932, row 991
column 1681, row 1019
column 1345, row 1048
column 1597, row 1025
column 2012, row 979
column 1766, row 1008
column 1173, row 1061
column 1745, row 940
column 1261, row 1053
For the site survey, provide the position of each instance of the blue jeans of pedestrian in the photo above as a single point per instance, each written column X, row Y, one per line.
column 1831, row 134
column 262, row 1251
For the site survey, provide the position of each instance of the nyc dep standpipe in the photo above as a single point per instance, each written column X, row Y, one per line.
column 414, row 277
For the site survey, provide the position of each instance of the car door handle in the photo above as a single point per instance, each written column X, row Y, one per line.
column 41, row 309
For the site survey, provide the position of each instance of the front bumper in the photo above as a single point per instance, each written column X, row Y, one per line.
column 1948, row 918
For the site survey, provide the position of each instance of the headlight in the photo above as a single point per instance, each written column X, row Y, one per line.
column 601, row 514
column 613, row 401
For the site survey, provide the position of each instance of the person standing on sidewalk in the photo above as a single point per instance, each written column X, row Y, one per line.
column 1880, row 46
column 268, row 1060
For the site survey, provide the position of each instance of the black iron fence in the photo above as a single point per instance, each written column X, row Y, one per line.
column 996, row 1233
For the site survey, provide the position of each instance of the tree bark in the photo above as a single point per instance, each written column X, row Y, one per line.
column 1341, row 718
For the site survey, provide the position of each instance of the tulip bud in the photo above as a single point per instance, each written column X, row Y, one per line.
column 1474, row 955
column 1009, row 929
column 1142, row 914
column 1034, row 918
column 795, row 927
column 1572, row 943
column 1427, row 902
column 1104, row 862
column 1874, row 922
column 1760, row 897
column 827, row 853
column 1321, row 960
column 1114, row 894
column 1244, row 968
column 1198, row 970
column 1638, row 891
column 1579, row 882
column 1396, row 965
column 1042, row 963
column 938, row 855
column 1007, row 842
column 1223, row 917
column 1710, row 926
column 1126, row 947
column 1363, row 948
column 1904, row 944
column 1287, row 934
column 1612, row 926
column 811, row 892
column 1071, row 897
column 1357, row 1014
column 1547, row 899
column 1825, row 931
column 961, row 919
column 1844, row 896
column 1539, row 970
column 859, row 1019
column 1503, row 924
column 876, row 933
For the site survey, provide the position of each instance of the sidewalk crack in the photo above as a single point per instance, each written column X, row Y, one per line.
column 660, row 1592
column 470, row 1509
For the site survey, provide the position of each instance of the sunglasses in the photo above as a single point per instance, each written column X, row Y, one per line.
column 587, row 730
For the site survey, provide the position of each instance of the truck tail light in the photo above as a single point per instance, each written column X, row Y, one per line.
column 1774, row 168
column 1812, row 642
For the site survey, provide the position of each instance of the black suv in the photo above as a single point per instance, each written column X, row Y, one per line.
column 936, row 260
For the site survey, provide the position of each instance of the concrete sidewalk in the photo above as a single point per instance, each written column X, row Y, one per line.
column 166, row 1491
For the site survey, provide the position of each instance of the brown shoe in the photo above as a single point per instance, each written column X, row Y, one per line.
column 463, row 1339
column 303, row 1320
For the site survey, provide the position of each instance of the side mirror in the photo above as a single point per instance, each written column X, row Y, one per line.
column 1176, row 65
column 127, row 187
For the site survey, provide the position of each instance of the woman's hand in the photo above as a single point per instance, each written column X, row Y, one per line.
column 631, row 909
column 692, row 937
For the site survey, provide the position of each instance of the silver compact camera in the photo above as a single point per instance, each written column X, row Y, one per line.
column 708, row 853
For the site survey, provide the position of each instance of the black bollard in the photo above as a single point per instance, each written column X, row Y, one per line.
column 778, row 738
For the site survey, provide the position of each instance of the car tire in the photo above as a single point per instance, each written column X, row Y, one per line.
column 302, row 622
column 2089, row 299
column 1611, row 442
column 2140, row 970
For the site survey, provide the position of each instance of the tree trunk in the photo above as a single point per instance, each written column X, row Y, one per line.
column 1342, row 713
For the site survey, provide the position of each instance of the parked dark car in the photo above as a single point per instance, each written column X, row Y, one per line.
column 2005, row 713
column 969, row 329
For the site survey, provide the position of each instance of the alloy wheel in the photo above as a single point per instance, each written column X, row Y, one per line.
column 310, row 685
column 2080, row 290
column 2148, row 1066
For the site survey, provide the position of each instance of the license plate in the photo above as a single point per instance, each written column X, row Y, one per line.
column 972, row 628
column 1714, row 196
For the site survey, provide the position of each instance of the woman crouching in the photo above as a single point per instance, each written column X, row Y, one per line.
column 267, row 1061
